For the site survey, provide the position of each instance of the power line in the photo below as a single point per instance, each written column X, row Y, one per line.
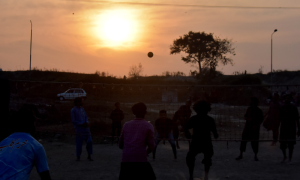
column 184, row 5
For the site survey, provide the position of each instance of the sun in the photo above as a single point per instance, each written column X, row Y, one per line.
column 116, row 28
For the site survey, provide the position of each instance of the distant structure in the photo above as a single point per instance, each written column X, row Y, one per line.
column 169, row 96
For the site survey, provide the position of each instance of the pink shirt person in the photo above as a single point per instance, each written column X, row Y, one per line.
column 136, row 136
column 137, row 141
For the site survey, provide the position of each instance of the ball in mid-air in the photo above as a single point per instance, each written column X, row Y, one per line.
column 150, row 54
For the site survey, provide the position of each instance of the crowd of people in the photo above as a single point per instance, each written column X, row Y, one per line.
column 138, row 138
column 20, row 151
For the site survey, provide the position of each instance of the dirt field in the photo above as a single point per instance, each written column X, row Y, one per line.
column 106, row 164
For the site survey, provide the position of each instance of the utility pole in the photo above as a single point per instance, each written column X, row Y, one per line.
column 272, row 55
column 30, row 45
column 30, row 55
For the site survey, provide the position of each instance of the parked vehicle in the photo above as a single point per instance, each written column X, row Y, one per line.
column 72, row 93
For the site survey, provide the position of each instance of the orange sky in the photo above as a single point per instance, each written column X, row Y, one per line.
column 83, row 42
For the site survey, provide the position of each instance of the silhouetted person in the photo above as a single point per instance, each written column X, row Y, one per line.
column 187, row 112
column 289, row 121
column 80, row 122
column 202, row 125
column 137, row 141
column 116, row 116
column 4, row 108
column 164, row 128
column 177, row 119
column 254, row 117
column 294, row 98
column 181, row 116
column 272, row 119
column 19, row 152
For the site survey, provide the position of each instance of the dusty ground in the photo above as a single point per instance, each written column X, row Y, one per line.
column 106, row 164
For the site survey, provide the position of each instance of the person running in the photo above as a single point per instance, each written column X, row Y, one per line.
column 272, row 118
column 116, row 116
column 180, row 118
column 254, row 117
column 137, row 141
column 202, row 125
column 80, row 122
column 289, row 121
column 164, row 128
column 20, row 152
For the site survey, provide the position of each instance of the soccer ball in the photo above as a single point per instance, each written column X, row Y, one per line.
column 150, row 54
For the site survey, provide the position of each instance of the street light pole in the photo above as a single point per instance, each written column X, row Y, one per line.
column 30, row 45
column 275, row 30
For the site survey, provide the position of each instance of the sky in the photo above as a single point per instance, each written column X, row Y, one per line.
column 112, row 36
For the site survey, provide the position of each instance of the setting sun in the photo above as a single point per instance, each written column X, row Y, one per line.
column 116, row 28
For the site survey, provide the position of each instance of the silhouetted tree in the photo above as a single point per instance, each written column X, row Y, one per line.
column 135, row 71
column 174, row 74
column 204, row 49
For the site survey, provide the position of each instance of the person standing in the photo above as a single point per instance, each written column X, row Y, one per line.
column 137, row 141
column 254, row 117
column 180, row 118
column 80, row 122
column 164, row 128
column 272, row 118
column 116, row 116
column 177, row 119
column 289, row 122
column 4, row 108
column 187, row 112
column 202, row 125
column 20, row 152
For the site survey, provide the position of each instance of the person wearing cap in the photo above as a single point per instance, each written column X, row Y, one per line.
column 80, row 122
column 20, row 152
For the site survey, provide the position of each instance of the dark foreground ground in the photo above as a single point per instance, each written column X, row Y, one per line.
column 106, row 164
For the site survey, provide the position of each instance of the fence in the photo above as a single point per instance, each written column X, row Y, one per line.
column 229, row 104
